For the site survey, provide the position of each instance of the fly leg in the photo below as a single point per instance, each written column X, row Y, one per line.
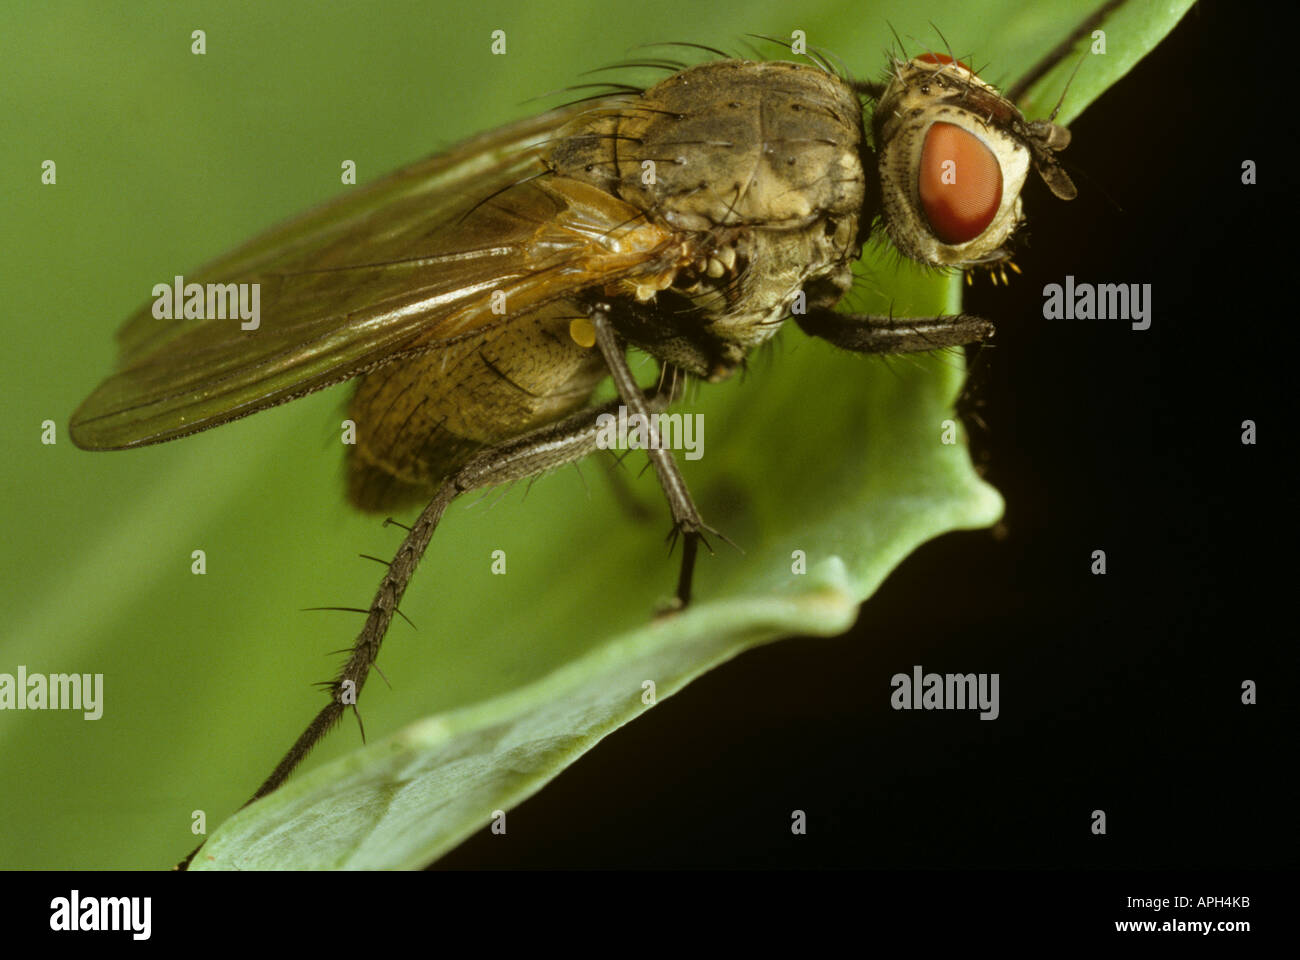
column 667, row 392
column 865, row 334
column 530, row 455
column 527, row 456
column 686, row 517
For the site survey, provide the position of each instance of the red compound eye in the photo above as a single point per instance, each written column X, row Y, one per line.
column 941, row 58
column 960, row 183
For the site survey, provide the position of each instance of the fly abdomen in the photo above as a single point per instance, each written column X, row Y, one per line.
column 421, row 418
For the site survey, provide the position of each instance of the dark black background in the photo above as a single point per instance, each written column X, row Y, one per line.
column 1120, row 692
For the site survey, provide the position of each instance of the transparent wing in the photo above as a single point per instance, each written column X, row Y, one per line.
column 387, row 271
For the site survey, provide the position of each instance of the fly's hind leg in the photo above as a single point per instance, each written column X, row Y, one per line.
column 534, row 453
column 530, row 455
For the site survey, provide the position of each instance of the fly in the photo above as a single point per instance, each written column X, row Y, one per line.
column 479, row 297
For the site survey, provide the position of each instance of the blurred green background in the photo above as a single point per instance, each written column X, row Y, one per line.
column 165, row 160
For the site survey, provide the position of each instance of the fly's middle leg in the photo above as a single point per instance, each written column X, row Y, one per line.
column 687, row 523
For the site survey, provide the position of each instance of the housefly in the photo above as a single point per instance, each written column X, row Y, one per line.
column 479, row 297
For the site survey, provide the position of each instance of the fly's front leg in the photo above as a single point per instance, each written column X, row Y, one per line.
column 866, row 334
column 686, row 518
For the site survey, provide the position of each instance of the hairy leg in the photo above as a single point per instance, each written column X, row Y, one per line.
column 535, row 453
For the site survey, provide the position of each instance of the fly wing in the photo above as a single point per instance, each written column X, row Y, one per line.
column 388, row 271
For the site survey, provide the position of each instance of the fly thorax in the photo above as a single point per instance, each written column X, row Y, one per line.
column 725, row 143
column 757, row 166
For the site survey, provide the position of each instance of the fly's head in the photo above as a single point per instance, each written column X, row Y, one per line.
column 953, row 155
